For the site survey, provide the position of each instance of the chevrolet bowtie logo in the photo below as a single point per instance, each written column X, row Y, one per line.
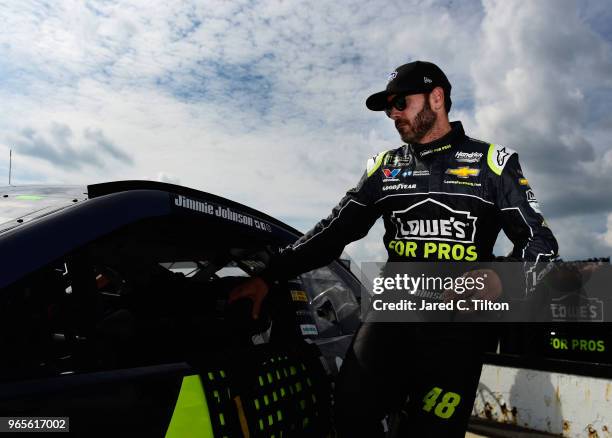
column 463, row 172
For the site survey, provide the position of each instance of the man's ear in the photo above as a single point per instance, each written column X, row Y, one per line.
column 436, row 99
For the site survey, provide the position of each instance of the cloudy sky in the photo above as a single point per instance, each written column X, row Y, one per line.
column 263, row 101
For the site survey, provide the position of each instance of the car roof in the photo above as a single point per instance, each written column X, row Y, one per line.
column 96, row 190
column 21, row 204
column 46, row 222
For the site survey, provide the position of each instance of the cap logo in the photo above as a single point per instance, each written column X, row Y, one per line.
column 392, row 76
column 427, row 80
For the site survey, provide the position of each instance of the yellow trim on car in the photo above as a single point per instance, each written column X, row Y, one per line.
column 191, row 417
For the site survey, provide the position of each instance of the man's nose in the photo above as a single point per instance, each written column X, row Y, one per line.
column 394, row 113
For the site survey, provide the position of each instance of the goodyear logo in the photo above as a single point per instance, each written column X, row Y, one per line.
column 463, row 172
column 399, row 187
column 523, row 182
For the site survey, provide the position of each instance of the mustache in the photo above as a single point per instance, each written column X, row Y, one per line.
column 401, row 123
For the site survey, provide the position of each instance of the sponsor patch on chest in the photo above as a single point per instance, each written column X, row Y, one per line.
column 433, row 220
column 463, row 172
column 468, row 157
column 400, row 186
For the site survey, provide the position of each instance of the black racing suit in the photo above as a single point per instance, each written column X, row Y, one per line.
column 419, row 189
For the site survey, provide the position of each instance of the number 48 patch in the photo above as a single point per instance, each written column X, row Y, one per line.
column 446, row 407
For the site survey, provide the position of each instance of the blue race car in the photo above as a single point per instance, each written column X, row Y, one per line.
column 113, row 313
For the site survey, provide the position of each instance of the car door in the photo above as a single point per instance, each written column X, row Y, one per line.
column 61, row 361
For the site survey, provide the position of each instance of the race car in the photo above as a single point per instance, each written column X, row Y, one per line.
column 114, row 317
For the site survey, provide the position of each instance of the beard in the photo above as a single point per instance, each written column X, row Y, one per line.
column 413, row 132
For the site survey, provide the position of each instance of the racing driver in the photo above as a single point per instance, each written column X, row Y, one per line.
column 443, row 196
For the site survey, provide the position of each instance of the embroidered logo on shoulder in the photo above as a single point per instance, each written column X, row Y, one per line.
column 523, row 181
column 501, row 156
column 374, row 163
column 497, row 157
column 463, row 172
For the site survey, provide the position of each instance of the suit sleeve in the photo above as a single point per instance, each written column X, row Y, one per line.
column 522, row 219
column 350, row 220
column 523, row 223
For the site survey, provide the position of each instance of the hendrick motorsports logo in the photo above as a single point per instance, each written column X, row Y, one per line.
column 575, row 307
column 446, row 225
column 468, row 157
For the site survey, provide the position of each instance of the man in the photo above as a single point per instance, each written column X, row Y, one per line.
column 439, row 176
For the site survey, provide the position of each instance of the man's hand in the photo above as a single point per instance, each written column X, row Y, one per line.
column 254, row 289
column 491, row 291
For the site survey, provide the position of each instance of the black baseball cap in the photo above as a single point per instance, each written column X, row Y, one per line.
column 412, row 78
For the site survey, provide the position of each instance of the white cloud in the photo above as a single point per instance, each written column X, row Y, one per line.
column 167, row 178
column 536, row 86
column 263, row 101
column 607, row 236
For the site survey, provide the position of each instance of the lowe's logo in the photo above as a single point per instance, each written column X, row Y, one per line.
column 433, row 220
column 575, row 307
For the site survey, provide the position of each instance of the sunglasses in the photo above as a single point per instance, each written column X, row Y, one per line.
column 398, row 102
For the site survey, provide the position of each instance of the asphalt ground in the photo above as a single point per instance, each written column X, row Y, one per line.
column 485, row 429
